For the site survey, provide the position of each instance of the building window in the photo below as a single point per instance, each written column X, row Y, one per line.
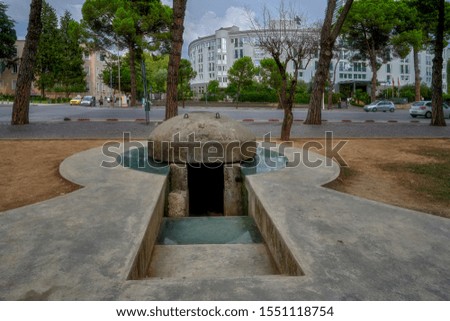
column 388, row 68
column 224, row 44
column 13, row 84
column 359, row 66
column 404, row 69
column 15, row 68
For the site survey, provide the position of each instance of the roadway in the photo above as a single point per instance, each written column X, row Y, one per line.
column 56, row 113
column 66, row 122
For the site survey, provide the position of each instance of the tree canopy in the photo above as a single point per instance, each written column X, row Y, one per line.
column 59, row 60
column 288, row 39
column 367, row 30
column 241, row 73
column 185, row 74
column 7, row 36
column 71, row 75
column 49, row 54
column 132, row 25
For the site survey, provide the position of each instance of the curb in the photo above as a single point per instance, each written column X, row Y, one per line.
column 246, row 120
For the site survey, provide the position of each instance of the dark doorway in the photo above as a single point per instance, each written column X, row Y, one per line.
column 205, row 183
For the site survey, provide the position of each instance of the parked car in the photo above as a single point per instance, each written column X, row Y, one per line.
column 383, row 105
column 424, row 108
column 75, row 101
column 88, row 101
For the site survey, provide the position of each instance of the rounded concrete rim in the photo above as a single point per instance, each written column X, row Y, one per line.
column 201, row 137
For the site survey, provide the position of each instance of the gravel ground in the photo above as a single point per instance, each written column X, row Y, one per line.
column 139, row 130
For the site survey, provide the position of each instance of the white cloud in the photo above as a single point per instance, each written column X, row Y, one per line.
column 210, row 21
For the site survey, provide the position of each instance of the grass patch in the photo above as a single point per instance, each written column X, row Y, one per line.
column 345, row 174
column 433, row 177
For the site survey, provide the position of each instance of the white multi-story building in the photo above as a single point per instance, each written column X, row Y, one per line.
column 212, row 56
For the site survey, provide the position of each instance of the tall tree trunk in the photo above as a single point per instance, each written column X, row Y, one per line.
column 328, row 37
column 132, row 51
column 373, row 87
column 418, row 96
column 288, row 118
column 20, row 111
column 284, row 102
column 437, row 118
column 179, row 9
column 314, row 116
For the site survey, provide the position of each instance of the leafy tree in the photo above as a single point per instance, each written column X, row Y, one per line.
column 408, row 34
column 368, row 30
column 157, row 72
column 49, row 54
column 110, row 75
column 7, row 38
column 287, row 39
column 213, row 90
column 20, row 110
column 330, row 31
column 71, row 76
column 241, row 75
column 270, row 76
column 134, row 25
column 179, row 10
column 434, row 18
column 185, row 74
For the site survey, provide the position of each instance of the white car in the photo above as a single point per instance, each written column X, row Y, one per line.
column 423, row 108
column 383, row 105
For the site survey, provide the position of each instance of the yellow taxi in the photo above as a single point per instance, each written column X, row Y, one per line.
column 75, row 101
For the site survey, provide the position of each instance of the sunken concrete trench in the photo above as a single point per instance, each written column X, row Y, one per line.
column 205, row 229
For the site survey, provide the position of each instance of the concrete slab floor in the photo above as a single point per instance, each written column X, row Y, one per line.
column 82, row 246
column 218, row 260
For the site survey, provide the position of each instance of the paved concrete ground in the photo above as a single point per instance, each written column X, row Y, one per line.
column 82, row 246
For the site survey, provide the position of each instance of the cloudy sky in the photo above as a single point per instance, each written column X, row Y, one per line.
column 203, row 17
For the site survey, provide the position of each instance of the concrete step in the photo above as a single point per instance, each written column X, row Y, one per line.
column 216, row 260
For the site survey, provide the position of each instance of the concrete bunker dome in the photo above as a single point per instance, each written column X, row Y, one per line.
column 201, row 137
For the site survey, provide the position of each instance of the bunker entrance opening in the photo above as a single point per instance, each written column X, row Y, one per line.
column 206, row 188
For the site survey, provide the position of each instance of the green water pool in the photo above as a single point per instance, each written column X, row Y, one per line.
column 209, row 230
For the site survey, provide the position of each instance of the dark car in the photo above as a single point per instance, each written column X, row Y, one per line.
column 88, row 101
